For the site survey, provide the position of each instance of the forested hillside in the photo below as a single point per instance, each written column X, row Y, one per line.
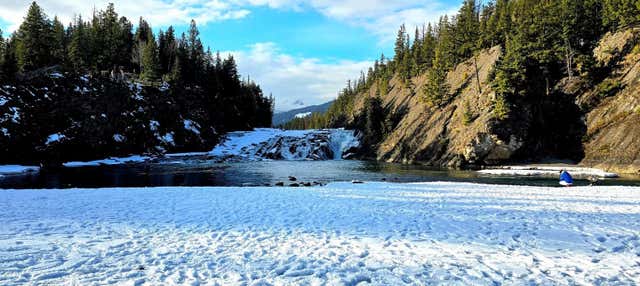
column 411, row 106
column 98, row 87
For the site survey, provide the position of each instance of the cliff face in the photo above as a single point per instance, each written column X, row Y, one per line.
column 612, row 108
column 592, row 121
column 459, row 133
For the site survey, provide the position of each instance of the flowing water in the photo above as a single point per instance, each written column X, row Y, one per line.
column 203, row 171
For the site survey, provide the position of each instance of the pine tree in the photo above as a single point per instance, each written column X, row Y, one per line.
column 140, row 40
column 467, row 30
column 2, row 53
column 34, row 40
column 79, row 45
column 400, row 43
column 59, row 51
column 618, row 13
column 150, row 63
column 196, row 53
column 8, row 60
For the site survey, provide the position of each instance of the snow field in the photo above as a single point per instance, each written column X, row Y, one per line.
column 340, row 234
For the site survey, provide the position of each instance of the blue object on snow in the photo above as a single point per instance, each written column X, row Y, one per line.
column 566, row 179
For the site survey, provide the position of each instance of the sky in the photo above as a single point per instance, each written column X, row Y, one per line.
column 301, row 51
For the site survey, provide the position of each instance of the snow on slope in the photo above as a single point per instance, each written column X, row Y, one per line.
column 302, row 115
column 341, row 234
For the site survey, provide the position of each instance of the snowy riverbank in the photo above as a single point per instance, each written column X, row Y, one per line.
column 386, row 234
column 17, row 169
column 547, row 171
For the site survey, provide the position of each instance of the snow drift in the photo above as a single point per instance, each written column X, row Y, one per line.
column 342, row 234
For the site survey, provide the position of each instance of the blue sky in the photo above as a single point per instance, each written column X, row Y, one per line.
column 298, row 50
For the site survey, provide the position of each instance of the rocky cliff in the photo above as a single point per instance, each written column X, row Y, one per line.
column 612, row 108
column 461, row 132
column 592, row 121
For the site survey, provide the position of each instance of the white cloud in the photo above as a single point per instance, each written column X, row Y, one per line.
column 381, row 17
column 157, row 12
column 292, row 79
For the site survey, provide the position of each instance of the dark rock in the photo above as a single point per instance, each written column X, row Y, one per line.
column 292, row 178
column 307, row 184
column 279, row 184
column 357, row 182
column 294, row 185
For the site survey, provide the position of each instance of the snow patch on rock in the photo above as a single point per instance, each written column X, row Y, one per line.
column 192, row 126
column 54, row 138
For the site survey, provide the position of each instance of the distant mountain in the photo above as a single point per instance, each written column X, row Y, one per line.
column 284, row 117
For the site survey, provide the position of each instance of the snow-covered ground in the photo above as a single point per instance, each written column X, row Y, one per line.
column 340, row 234
column 547, row 171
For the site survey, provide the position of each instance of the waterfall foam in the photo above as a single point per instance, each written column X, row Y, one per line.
column 277, row 144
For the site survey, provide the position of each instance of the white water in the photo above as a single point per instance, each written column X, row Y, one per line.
column 267, row 143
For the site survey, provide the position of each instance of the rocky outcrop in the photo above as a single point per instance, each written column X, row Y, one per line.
column 460, row 133
column 612, row 107
column 592, row 119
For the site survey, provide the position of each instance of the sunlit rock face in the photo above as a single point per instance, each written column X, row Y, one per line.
column 276, row 144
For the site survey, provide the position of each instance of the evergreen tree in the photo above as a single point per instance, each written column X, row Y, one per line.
column 374, row 121
column 619, row 13
column 9, row 62
column 467, row 30
column 140, row 40
column 79, row 45
column 34, row 40
column 167, row 47
column 150, row 63
column 196, row 53
column 2, row 48
column 401, row 40
column 59, row 45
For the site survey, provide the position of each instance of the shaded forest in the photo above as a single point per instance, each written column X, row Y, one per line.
column 99, row 87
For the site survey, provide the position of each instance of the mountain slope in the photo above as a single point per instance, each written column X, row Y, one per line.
column 612, row 108
column 284, row 117
column 590, row 121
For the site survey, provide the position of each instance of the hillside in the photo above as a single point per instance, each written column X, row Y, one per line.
column 591, row 122
column 612, row 108
column 515, row 81
column 286, row 116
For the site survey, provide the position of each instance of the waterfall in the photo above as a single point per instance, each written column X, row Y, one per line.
column 276, row 144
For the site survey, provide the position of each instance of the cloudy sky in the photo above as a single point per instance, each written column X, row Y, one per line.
column 302, row 51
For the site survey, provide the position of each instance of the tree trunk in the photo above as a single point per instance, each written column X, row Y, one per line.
column 475, row 61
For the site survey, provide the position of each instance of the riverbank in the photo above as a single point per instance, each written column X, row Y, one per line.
column 381, row 233
column 548, row 171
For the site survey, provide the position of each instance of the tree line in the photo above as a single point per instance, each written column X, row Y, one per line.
column 542, row 41
column 171, row 77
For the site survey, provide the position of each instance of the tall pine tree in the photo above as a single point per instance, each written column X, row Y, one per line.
column 34, row 40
